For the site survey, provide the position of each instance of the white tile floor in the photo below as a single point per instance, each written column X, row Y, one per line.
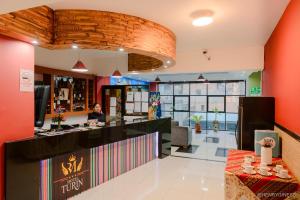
column 207, row 150
column 164, row 179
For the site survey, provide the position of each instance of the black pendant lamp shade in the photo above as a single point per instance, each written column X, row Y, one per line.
column 201, row 78
column 157, row 79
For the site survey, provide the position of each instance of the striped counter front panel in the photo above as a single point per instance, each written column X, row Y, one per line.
column 108, row 161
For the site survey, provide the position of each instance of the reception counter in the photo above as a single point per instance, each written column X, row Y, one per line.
column 64, row 165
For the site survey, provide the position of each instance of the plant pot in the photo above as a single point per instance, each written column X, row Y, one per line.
column 216, row 125
column 266, row 155
column 197, row 127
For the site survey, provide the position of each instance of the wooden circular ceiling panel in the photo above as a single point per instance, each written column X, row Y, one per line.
column 148, row 44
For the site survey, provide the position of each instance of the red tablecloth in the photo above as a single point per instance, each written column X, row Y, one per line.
column 266, row 188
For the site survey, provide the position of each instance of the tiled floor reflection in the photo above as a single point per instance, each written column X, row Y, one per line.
column 209, row 143
column 164, row 179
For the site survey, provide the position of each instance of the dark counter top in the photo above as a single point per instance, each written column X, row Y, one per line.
column 22, row 157
column 42, row 147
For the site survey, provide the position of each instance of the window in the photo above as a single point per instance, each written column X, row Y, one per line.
column 181, row 89
column 232, row 104
column 198, row 103
column 198, row 89
column 216, row 103
column 166, row 89
column 181, row 103
column 235, row 88
column 183, row 100
column 216, row 89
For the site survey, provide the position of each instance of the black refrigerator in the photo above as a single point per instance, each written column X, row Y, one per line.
column 255, row 113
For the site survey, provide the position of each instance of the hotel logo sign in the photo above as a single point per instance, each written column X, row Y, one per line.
column 70, row 174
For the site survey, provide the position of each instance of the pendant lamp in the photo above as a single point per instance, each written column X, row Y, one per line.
column 79, row 66
column 157, row 79
column 116, row 74
column 201, row 78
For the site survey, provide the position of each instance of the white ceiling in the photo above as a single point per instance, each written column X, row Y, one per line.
column 239, row 25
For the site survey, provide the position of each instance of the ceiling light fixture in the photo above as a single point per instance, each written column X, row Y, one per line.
column 201, row 78
column 202, row 18
column 153, row 70
column 165, row 66
column 157, row 79
column 121, row 49
column 74, row 46
column 116, row 74
column 35, row 42
column 168, row 61
column 79, row 66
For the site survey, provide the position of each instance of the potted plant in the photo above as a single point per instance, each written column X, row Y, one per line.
column 58, row 118
column 216, row 123
column 197, row 119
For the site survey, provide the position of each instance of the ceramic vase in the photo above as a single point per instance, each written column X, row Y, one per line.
column 266, row 155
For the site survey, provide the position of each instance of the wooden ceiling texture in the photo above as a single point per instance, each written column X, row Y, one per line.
column 148, row 44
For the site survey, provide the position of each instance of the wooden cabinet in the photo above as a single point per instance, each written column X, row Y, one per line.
column 73, row 92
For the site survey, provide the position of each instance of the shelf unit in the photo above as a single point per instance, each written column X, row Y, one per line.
column 74, row 92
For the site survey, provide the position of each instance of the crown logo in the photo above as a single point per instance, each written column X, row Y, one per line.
column 71, row 166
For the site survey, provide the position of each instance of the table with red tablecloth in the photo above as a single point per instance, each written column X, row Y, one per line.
column 239, row 185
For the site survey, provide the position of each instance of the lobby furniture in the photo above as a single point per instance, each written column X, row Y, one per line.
column 60, row 165
column 239, row 185
column 180, row 135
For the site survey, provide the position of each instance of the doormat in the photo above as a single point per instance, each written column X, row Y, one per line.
column 189, row 149
column 212, row 140
column 221, row 152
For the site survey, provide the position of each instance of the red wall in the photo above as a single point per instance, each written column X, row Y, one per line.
column 16, row 108
column 100, row 81
column 281, row 76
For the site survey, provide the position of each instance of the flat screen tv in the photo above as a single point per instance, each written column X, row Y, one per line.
column 41, row 97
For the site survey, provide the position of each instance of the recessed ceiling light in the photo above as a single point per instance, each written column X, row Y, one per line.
column 121, row 49
column 152, row 69
column 202, row 17
column 74, row 46
column 168, row 62
column 202, row 21
column 35, row 42
column 165, row 66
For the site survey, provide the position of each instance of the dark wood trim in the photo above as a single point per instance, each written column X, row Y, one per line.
column 289, row 132
column 47, row 70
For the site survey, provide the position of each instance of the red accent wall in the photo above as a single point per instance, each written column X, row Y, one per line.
column 281, row 75
column 153, row 86
column 100, row 81
column 16, row 108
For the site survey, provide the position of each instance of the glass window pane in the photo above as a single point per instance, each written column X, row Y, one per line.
column 166, row 103
column 216, row 89
column 165, row 89
column 181, row 89
column 203, row 120
column 182, row 118
column 213, row 116
column 198, row 103
column 232, row 104
column 182, row 103
column 235, row 88
column 167, row 114
column 231, row 121
column 198, row 89
column 216, row 102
